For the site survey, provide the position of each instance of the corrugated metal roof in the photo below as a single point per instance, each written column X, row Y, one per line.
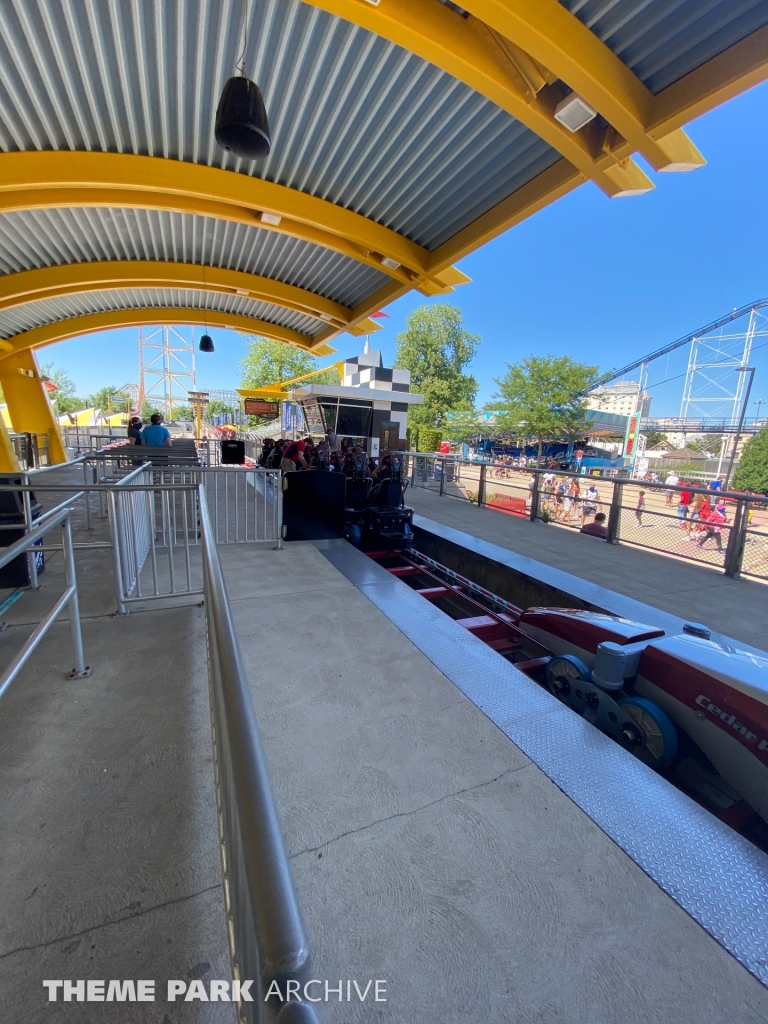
column 46, row 311
column 355, row 119
column 662, row 40
column 40, row 238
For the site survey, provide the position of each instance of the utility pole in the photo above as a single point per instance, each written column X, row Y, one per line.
column 751, row 371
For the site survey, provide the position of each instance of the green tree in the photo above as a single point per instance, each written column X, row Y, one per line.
column 654, row 437
column 108, row 399
column 752, row 471
column 64, row 397
column 65, row 386
column 437, row 349
column 270, row 362
column 543, row 397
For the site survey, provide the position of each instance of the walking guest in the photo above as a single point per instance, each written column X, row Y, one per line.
column 684, row 500
column 640, row 508
column 591, row 501
column 671, row 481
column 713, row 524
column 695, row 516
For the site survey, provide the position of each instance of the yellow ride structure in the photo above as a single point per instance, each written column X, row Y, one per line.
column 405, row 134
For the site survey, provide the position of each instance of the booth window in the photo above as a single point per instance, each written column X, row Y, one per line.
column 354, row 421
column 313, row 416
column 328, row 410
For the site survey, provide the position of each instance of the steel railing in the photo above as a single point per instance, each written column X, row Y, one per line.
column 68, row 598
column 267, row 935
column 155, row 523
column 737, row 547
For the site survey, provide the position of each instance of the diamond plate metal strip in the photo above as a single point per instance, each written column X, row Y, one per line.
column 715, row 875
column 591, row 593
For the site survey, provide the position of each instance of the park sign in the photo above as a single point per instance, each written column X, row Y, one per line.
column 631, row 437
column 260, row 407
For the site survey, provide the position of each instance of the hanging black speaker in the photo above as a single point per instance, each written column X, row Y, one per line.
column 241, row 120
column 206, row 343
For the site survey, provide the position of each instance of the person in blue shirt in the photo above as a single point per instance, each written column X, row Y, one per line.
column 156, row 435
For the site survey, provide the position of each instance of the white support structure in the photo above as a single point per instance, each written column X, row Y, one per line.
column 713, row 389
column 167, row 362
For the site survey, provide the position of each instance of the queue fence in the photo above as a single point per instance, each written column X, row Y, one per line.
column 155, row 524
column 68, row 599
column 663, row 523
column 267, row 935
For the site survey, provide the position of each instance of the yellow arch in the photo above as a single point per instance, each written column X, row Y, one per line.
column 73, row 278
column 472, row 53
column 145, row 316
column 37, row 180
column 550, row 34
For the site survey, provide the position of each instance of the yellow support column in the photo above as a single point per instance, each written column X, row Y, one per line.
column 28, row 404
column 8, row 461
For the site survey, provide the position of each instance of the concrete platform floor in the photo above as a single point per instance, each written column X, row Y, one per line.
column 428, row 850
column 431, row 852
column 737, row 608
column 110, row 856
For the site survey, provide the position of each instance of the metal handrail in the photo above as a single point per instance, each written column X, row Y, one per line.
column 268, row 938
column 69, row 597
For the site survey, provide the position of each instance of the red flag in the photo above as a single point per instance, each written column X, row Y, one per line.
column 381, row 315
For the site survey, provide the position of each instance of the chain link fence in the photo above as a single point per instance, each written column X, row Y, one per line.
column 676, row 521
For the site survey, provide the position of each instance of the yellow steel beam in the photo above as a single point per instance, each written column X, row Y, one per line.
column 112, row 198
column 28, row 403
column 75, row 326
column 73, row 278
column 277, row 386
column 549, row 33
column 730, row 73
column 9, row 462
column 42, row 180
column 471, row 52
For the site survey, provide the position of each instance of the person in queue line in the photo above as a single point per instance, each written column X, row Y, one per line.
column 155, row 435
column 134, row 429
column 596, row 528
column 295, row 455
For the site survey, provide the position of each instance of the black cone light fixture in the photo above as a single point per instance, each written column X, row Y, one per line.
column 206, row 343
column 242, row 127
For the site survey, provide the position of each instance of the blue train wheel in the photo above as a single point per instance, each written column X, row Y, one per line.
column 564, row 673
column 654, row 740
column 353, row 534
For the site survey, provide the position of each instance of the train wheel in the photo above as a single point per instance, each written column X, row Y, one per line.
column 564, row 673
column 353, row 534
column 654, row 740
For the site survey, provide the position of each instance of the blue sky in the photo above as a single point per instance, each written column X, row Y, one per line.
column 604, row 281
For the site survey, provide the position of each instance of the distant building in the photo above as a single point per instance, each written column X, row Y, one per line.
column 622, row 399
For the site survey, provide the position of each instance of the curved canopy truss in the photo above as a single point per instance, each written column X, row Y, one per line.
column 406, row 133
